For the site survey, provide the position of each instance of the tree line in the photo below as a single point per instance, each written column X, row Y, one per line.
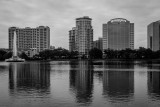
column 141, row 53
column 8, row 54
column 61, row 53
column 5, row 55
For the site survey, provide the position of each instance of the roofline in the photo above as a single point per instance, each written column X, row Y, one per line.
column 84, row 17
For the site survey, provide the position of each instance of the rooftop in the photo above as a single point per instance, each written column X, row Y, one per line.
column 118, row 20
column 84, row 17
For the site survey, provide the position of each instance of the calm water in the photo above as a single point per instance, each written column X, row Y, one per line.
column 80, row 83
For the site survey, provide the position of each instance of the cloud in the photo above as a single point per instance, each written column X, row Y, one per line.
column 60, row 16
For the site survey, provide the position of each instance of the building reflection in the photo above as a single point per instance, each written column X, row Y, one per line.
column 118, row 82
column 29, row 78
column 3, row 68
column 81, row 80
column 153, row 82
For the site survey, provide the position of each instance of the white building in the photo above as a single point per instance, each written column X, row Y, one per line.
column 28, row 38
column 81, row 36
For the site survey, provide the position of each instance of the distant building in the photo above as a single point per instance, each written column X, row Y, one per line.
column 27, row 38
column 52, row 47
column 81, row 36
column 95, row 44
column 84, row 35
column 153, row 36
column 118, row 34
column 98, row 44
column 72, row 39
column 31, row 52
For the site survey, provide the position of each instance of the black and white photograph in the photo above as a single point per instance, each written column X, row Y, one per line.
column 79, row 53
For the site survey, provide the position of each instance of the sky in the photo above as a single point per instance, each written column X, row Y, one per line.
column 60, row 16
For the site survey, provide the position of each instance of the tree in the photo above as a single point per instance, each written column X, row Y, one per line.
column 7, row 55
column 148, row 54
column 143, row 53
column 109, row 53
column 127, row 54
column 95, row 53
column 2, row 52
column 46, row 54
column 54, row 54
column 156, row 54
column 23, row 56
column 73, row 54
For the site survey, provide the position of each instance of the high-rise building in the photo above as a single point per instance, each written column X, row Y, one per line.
column 72, row 39
column 81, row 36
column 98, row 44
column 118, row 34
column 84, row 35
column 153, row 36
column 28, row 38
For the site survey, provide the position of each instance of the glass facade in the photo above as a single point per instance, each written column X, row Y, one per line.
column 118, row 34
column 153, row 36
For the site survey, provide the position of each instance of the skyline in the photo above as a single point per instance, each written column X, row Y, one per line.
column 60, row 16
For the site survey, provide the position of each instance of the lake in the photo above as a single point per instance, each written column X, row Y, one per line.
column 80, row 84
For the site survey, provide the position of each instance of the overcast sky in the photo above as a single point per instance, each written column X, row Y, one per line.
column 60, row 16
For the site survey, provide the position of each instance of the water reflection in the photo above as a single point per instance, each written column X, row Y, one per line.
column 81, row 80
column 114, row 84
column 154, row 82
column 3, row 68
column 28, row 79
column 118, row 85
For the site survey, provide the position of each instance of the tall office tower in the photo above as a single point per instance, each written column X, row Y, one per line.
column 153, row 36
column 72, row 39
column 84, row 38
column 98, row 44
column 28, row 38
column 118, row 34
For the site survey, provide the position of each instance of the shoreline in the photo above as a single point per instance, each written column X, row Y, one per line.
column 90, row 60
column 97, row 60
